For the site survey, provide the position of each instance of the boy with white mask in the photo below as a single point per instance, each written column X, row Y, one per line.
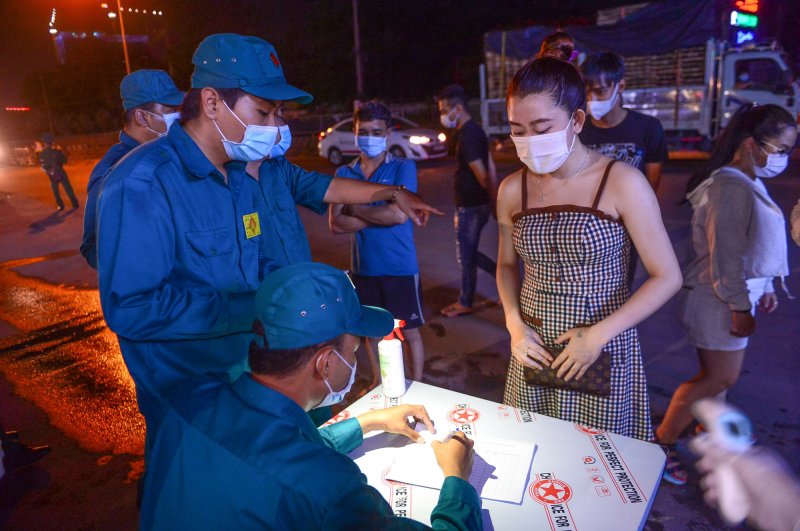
column 615, row 131
column 384, row 257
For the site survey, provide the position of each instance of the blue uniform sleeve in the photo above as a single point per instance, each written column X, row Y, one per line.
column 139, row 302
column 307, row 187
column 89, row 243
column 407, row 175
column 458, row 509
column 344, row 436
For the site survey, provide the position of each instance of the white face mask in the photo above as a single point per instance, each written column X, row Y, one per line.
column 283, row 144
column 775, row 164
column 372, row 146
column 168, row 120
column 334, row 397
column 599, row 108
column 256, row 144
column 544, row 153
column 447, row 121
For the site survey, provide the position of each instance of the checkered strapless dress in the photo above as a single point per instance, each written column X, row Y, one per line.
column 576, row 260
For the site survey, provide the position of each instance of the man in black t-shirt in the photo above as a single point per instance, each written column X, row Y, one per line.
column 620, row 133
column 474, row 187
column 613, row 130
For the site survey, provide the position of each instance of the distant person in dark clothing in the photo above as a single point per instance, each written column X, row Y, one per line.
column 150, row 100
column 559, row 45
column 475, row 189
column 52, row 161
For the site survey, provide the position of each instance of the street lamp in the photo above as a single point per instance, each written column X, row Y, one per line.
column 124, row 42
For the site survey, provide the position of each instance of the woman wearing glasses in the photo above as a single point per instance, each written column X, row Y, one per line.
column 739, row 241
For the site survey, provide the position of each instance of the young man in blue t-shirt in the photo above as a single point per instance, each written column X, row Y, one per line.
column 384, row 257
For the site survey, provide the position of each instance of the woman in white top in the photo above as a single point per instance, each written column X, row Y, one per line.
column 739, row 241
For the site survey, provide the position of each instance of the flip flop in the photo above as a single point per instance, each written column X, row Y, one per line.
column 455, row 310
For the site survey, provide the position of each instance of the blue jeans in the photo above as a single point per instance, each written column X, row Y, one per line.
column 469, row 222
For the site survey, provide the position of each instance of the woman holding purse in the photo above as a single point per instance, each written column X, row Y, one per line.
column 571, row 216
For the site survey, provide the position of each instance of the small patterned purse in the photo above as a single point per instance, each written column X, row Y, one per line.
column 596, row 380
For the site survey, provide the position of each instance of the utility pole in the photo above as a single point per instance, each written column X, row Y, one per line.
column 124, row 42
column 357, row 51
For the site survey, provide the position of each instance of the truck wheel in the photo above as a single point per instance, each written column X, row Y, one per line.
column 335, row 157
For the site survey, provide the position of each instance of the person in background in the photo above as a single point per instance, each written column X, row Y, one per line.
column 613, row 130
column 739, row 242
column 571, row 215
column 150, row 100
column 52, row 161
column 384, row 257
column 617, row 132
column 185, row 233
column 475, row 187
column 559, row 45
column 244, row 455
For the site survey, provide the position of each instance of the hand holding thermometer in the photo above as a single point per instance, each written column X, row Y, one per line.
column 729, row 434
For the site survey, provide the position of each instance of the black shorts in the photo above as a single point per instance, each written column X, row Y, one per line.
column 401, row 295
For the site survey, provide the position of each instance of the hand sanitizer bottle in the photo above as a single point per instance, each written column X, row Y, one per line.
column 390, row 358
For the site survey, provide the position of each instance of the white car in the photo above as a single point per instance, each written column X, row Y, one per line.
column 406, row 140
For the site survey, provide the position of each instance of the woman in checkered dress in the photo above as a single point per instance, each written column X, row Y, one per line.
column 571, row 215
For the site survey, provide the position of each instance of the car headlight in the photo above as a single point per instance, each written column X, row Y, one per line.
column 419, row 140
column 442, row 137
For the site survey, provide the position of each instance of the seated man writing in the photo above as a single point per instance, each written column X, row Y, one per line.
column 245, row 455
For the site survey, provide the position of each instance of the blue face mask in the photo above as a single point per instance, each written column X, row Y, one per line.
column 256, row 145
column 283, row 145
column 334, row 397
column 372, row 146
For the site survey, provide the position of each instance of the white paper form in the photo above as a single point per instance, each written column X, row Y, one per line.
column 499, row 469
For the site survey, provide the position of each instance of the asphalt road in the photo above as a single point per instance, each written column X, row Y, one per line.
column 62, row 380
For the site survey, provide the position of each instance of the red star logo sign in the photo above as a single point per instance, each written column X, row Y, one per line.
column 550, row 491
column 464, row 415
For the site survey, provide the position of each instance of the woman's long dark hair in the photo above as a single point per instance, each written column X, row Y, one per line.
column 757, row 121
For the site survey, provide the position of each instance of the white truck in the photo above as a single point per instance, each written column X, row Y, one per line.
column 693, row 91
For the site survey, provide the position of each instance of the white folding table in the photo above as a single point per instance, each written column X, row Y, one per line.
column 580, row 478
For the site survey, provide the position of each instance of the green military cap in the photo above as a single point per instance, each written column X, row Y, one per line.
column 228, row 60
column 308, row 303
column 148, row 86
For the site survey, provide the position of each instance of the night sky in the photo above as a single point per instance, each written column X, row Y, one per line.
column 411, row 48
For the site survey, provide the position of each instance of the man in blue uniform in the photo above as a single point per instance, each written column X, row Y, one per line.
column 384, row 257
column 150, row 100
column 180, row 243
column 244, row 455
